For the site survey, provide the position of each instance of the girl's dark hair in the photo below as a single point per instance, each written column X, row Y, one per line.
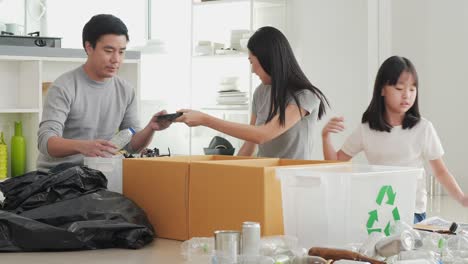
column 277, row 59
column 388, row 74
column 100, row 25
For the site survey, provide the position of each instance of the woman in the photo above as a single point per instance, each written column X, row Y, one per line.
column 286, row 106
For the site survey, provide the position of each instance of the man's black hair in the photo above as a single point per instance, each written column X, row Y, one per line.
column 100, row 25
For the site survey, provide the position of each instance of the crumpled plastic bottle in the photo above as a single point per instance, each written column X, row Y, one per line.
column 274, row 246
column 368, row 247
column 198, row 249
column 431, row 241
column 400, row 226
column 394, row 244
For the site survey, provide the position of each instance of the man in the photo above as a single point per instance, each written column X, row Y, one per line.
column 86, row 106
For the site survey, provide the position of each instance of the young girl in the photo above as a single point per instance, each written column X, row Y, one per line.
column 393, row 132
column 286, row 106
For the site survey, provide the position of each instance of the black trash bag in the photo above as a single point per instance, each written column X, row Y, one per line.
column 69, row 210
column 36, row 189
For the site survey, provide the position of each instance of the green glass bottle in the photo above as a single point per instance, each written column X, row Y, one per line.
column 18, row 151
column 3, row 158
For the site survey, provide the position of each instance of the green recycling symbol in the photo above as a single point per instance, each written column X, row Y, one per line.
column 386, row 190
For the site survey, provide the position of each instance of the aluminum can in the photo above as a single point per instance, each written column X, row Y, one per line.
column 227, row 246
column 250, row 239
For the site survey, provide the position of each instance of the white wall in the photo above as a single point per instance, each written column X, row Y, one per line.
column 340, row 43
column 330, row 40
column 66, row 19
column 434, row 36
column 165, row 78
column 12, row 11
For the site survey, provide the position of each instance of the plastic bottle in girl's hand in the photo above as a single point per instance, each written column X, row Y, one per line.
column 122, row 138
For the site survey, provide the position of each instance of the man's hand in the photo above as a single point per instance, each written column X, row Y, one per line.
column 97, row 148
column 156, row 124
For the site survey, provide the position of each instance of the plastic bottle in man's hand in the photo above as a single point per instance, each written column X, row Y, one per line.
column 122, row 138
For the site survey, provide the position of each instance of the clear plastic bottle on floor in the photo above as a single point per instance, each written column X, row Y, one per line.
column 457, row 244
column 400, row 226
column 122, row 138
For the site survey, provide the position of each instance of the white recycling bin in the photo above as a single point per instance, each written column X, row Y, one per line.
column 110, row 167
column 338, row 204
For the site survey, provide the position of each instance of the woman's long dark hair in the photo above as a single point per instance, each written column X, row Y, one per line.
column 388, row 74
column 277, row 59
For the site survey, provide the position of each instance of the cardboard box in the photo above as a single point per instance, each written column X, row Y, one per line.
column 160, row 186
column 192, row 196
column 223, row 194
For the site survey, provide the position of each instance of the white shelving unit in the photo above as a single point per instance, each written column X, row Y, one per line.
column 214, row 21
column 22, row 72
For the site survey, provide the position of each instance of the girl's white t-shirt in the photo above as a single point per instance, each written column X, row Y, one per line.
column 400, row 147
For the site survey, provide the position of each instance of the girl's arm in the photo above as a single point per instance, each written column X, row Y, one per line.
column 448, row 181
column 335, row 125
column 251, row 133
column 248, row 148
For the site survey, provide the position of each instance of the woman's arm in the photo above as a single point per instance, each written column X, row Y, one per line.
column 251, row 133
column 448, row 181
column 248, row 148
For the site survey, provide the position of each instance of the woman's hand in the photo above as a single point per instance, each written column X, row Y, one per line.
column 192, row 118
column 335, row 125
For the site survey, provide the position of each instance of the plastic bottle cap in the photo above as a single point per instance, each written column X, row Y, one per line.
column 132, row 130
column 453, row 227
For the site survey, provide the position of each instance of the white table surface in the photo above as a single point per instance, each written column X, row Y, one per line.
column 159, row 251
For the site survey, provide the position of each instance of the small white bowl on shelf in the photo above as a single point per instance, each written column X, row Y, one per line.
column 227, row 87
column 203, row 48
column 229, row 80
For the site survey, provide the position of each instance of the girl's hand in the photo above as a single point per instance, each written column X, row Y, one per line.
column 192, row 118
column 464, row 201
column 335, row 125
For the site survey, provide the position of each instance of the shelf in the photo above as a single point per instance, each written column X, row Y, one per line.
column 23, row 70
column 227, row 56
column 220, row 2
column 224, row 2
column 46, row 53
column 16, row 111
column 223, row 21
column 231, row 109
